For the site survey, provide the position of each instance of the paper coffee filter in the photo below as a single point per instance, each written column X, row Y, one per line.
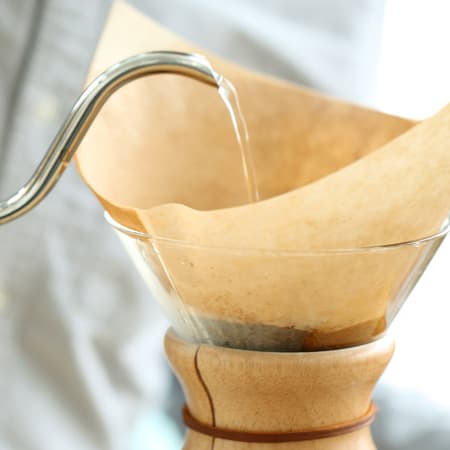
column 168, row 139
column 162, row 159
column 399, row 193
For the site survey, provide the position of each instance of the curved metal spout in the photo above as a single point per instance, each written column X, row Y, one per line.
column 85, row 110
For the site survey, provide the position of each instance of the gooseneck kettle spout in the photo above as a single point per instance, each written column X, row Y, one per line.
column 85, row 110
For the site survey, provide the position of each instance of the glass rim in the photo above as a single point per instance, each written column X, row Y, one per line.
column 445, row 228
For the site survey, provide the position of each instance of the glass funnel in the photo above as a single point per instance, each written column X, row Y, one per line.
column 269, row 300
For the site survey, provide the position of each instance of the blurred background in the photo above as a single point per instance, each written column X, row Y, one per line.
column 81, row 363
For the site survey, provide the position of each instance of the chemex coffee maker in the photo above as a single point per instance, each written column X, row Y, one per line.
column 280, row 266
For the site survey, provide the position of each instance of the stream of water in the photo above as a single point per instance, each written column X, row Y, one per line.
column 230, row 97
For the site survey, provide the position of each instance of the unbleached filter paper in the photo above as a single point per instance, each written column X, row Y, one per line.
column 162, row 158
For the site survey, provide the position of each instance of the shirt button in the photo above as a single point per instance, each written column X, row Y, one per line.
column 4, row 301
column 47, row 109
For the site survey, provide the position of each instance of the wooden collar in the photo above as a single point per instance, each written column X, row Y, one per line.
column 274, row 437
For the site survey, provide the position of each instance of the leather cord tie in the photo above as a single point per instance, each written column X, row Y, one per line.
column 274, row 437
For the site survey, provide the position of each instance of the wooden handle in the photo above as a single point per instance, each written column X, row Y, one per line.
column 263, row 392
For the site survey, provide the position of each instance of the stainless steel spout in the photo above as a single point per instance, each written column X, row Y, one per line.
column 85, row 110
